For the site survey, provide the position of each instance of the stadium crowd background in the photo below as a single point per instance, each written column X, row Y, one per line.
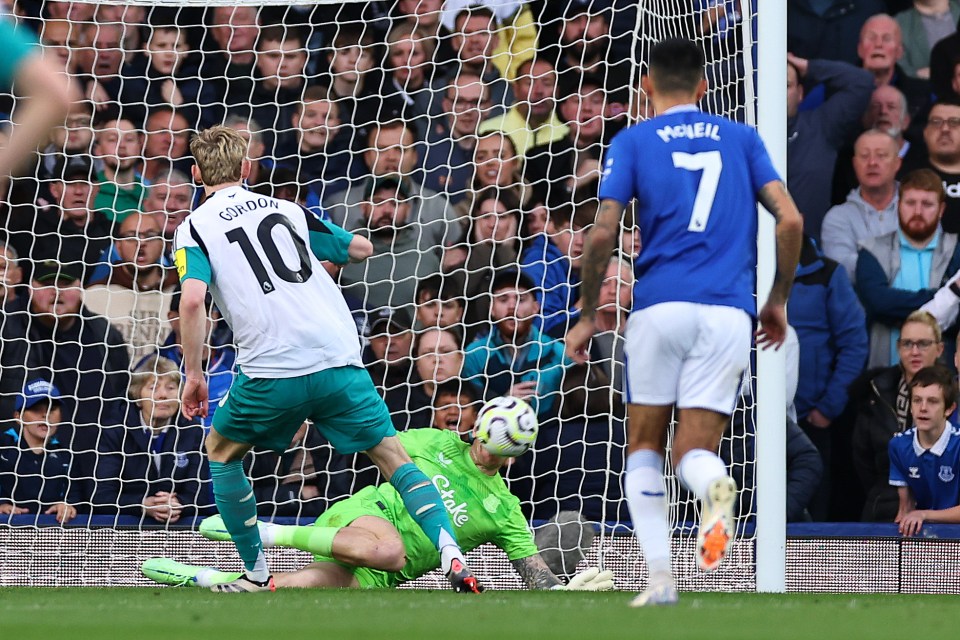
column 465, row 140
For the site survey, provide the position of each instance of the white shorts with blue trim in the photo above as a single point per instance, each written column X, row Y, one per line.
column 687, row 354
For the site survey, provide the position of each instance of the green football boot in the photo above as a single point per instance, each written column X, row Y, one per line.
column 177, row 574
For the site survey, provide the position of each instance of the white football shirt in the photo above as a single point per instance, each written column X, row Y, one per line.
column 260, row 256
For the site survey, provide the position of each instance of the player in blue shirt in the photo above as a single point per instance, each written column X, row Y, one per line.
column 697, row 179
column 925, row 460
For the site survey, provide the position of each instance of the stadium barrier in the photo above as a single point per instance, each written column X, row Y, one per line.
column 821, row 557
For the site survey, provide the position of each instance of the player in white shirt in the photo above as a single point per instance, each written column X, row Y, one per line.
column 297, row 345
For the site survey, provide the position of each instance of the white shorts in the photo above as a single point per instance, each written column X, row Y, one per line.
column 687, row 354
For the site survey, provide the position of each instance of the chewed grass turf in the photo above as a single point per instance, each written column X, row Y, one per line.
column 141, row 614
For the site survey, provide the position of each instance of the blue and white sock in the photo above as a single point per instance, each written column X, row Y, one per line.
column 698, row 469
column 647, row 499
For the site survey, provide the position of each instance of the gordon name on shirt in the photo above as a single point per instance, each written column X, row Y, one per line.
column 238, row 209
column 696, row 130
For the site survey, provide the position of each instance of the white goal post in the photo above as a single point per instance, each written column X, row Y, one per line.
column 751, row 85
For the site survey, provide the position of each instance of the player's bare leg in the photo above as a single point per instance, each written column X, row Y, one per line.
column 370, row 542
column 317, row 575
column 425, row 506
column 695, row 442
column 647, row 499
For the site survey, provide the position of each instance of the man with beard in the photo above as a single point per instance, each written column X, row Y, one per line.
column 119, row 145
column 942, row 137
column 404, row 251
column 900, row 271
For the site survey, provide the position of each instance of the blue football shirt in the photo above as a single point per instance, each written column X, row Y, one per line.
column 695, row 178
column 932, row 474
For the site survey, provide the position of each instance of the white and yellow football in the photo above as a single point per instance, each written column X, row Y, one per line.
column 507, row 426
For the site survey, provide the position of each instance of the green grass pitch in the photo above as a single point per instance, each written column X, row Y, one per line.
column 141, row 614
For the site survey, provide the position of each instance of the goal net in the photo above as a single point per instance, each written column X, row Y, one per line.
column 463, row 141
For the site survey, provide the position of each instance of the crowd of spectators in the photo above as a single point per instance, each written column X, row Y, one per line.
column 465, row 140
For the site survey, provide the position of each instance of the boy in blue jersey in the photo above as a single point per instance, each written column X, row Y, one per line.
column 925, row 460
column 697, row 179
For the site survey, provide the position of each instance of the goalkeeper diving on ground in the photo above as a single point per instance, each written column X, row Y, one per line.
column 369, row 540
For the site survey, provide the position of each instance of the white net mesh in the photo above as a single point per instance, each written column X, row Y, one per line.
column 464, row 144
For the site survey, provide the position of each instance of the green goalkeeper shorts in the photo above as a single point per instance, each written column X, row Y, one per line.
column 342, row 402
column 366, row 502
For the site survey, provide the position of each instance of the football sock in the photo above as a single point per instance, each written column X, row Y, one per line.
column 238, row 508
column 647, row 501
column 425, row 506
column 318, row 540
column 208, row 577
column 698, row 469
column 449, row 551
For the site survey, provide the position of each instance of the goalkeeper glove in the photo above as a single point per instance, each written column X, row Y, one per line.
column 592, row 579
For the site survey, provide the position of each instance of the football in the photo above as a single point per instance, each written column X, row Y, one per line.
column 507, row 426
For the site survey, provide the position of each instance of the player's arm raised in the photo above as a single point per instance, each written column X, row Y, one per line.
column 773, row 317
column 49, row 94
column 597, row 250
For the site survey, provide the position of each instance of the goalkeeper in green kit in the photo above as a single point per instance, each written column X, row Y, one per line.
column 370, row 541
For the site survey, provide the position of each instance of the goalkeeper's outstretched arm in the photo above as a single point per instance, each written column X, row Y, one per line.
column 537, row 575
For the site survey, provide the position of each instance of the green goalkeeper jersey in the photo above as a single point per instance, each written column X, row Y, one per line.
column 481, row 507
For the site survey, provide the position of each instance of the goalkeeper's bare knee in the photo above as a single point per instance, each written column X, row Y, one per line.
column 385, row 554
